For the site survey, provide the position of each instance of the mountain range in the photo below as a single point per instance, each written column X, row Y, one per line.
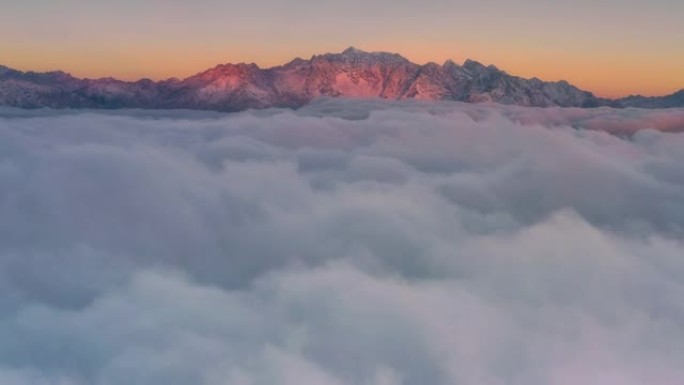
column 352, row 73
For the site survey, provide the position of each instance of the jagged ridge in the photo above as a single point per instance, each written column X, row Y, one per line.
column 352, row 73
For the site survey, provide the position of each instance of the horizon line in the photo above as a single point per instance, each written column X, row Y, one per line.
column 351, row 48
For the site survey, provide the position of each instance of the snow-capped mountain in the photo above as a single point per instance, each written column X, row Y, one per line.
column 351, row 74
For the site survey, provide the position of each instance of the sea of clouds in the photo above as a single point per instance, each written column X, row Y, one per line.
column 346, row 243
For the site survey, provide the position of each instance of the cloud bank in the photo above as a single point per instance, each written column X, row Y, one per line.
column 348, row 242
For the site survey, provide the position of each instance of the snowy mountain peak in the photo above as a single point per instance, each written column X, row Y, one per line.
column 353, row 73
column 472, row 65
column 353, row 51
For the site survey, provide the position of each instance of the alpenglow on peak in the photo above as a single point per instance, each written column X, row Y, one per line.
column 353, row 73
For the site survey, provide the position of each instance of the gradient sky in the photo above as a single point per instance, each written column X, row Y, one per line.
column 610, row 47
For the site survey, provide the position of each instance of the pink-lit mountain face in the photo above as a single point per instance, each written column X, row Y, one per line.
column 350, row 74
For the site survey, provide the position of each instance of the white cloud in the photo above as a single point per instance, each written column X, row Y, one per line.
column 345, row 243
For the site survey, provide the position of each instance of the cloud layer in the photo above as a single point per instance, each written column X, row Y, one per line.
column 348, row 242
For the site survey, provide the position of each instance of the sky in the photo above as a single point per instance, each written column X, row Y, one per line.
column 610, row 47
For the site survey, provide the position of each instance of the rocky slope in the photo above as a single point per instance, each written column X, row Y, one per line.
column 351, row 74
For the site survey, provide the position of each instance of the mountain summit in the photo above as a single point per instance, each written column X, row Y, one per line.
column 352, row 73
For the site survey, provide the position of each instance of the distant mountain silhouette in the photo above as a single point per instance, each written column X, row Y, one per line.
column 350, row 74
column 669, row 101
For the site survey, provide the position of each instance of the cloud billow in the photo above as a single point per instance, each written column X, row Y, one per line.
column 347, row 242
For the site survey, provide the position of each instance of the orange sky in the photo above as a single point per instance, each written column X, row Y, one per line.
column 610, row 47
